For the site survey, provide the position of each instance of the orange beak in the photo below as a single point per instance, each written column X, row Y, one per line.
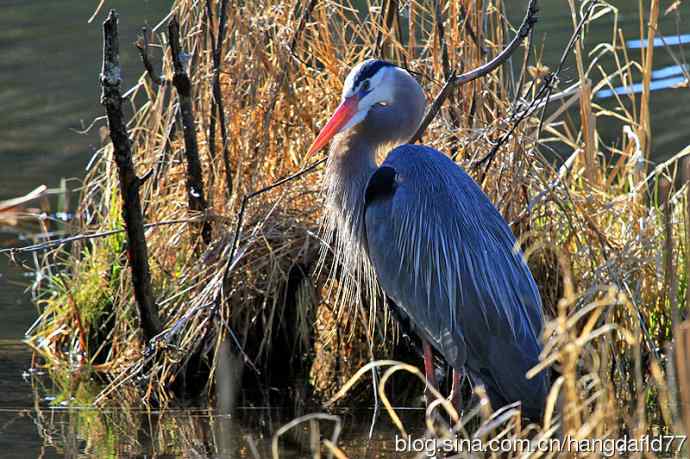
column 345, row 111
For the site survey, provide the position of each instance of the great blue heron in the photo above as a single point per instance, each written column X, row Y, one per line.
column 438, row 246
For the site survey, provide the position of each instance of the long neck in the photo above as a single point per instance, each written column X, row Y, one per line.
column 351, row 162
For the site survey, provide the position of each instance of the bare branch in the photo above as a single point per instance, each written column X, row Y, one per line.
column 218, row 109
column 240, row 218
column 541, row 99
column 470, row 31
column 389, row 11
column 527, row 24
column 48, row 245
column 129, row 182
column 142, row 45
column 181, row 81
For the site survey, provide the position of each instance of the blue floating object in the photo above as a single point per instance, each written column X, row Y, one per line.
column 673, row 40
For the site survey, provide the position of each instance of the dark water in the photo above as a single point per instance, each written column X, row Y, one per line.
column 49, row 62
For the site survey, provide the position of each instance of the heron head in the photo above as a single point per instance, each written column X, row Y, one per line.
column 384, row 101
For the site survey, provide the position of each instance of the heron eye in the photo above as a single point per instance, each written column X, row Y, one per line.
column 365, row 85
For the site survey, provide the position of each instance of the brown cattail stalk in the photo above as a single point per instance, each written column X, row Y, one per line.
column 645, row 130
column 682, row 331
column 682, row 354
column 589, row 132
column 668, row 292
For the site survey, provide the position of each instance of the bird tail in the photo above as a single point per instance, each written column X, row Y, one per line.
column 506, row 382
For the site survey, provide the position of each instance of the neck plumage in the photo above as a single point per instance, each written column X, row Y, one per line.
column 351, row 162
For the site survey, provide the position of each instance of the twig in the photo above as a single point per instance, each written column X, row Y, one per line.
column 195, row 182
column 470, row 31
column 542, row 97
column 218, row 109
column 504, row 138
column 279, row 82
column 386, row 18
column 548, row 89
column 13, row 251
column 129, row 182
column 240, row 218
column 527, row 24
column 142, row 45
column 95, row 13
column 524, row 30
column 248, row 197
column 447, row 72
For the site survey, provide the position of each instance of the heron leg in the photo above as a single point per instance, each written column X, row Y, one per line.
column 456, row 390
column 429, row 371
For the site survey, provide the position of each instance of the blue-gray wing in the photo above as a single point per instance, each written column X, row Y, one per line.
column 447, row 258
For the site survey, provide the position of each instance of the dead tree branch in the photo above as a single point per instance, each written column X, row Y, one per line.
column 280, row 81
column 447, row 72
column 48, row 245
column 389, row 11
column 527, row 24
column 142, row 45
column 541, row 99
column 240, row 217
column 183, row 85
column 470, row 31
column 218, row 110
column 129, row 182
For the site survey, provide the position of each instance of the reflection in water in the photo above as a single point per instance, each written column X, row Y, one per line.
column 74, row 432
column 120, row 432
column 49, row 417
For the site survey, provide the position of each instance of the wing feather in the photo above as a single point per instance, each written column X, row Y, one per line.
column 445, row 255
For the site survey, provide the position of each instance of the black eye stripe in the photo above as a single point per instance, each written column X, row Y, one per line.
column 369, row 69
